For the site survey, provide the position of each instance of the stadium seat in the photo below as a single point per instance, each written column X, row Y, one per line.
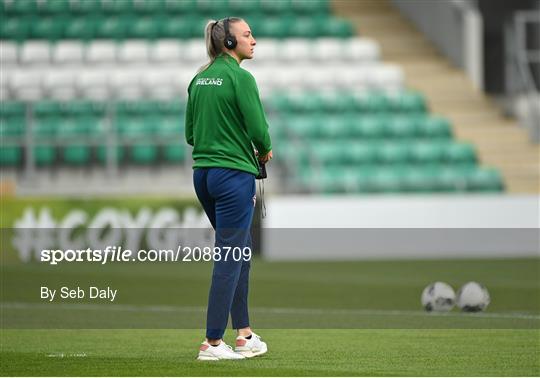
column 401, row 127
column 82, row 28
column 9, row 54
column 451, row 179
column 335, row 27
column 44, row 155
column 76, row 154
column 485, row 180
column 145, row 27
column 392, row 153
column 369, row 127
column 50, row 28
column 86, row 7
column 10, row 155
column 68, row 52
column 15, row 28
column 166, row 50
column 12, row 109
column 174, row 153
column 305, row 27
column 311, row 8
column 408, row 102
column 35, row 53
column 117, row 6
column 113, row 27
column 134, row 127
column 149, row 6
column 43, row 109
column 102, row 153
column 459, row 153
column 13, row 126
column 143, row 153
column 432, row 127
column 55, row 7
column 419, row 180
column 178, row 27
column 385, row 180
column 426, row 153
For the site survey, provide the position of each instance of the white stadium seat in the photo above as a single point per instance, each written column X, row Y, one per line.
column 101, row 52
column 194, row 51
column 26, row 85
column 93, row 85
column 35, row 53
column 361, row 49
column 266, row 49
column 127, row 84
column 68, row 52
column 295, row 49
column 133, row 52
column 387, row 76
column 60, row 85
column 328, row 49
column 8, row 53
column 167, row 51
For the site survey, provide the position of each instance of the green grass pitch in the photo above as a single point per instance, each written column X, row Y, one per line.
column 319, row 319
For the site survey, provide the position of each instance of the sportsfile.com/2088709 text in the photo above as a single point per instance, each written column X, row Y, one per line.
column 117, row 254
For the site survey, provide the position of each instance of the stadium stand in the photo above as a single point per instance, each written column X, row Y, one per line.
column 87, row 83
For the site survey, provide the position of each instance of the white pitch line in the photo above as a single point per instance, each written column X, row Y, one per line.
column 265, row 310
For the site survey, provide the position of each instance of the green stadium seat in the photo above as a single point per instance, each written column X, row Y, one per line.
column 426, row 153
column 418, row 180
column 138, row 108
column 459, row 153
column 44, row 155
column 179, row 7
column 304, row 27
column 401, row 127
column 312, row 7
column 149, row 6
column 76, row 154
column 86, row 7
column 73, row 128
column 51, row 28
column 272, row 27
column 132, row 127
column 25, row 7
column 16, row 28
column 373, row 103
column 333, row 127
column 12, row 108
column 145, row 27
column 244, row 8
column 169, row 126
column 369, row 127
column 199, row 23
column 336, row 28
column 176, row 27
column 328, row 153
column 47, row 109
column 275, row 7
column 451, row 179
column 359, row 153
column 83, row 109
column 308, row 103
column 385, row 180
column 113, row 27
column 56, row 7
column 408, row 102
column 46, row 128
column 433, row 127
column 83, row 28
column 173, row 108
column 144, row 153
column 102, row 153
column 10, row 155
column 485, row 180
column 214, row 8
column 343, row 102
column 117, row 6
column 11, row 127
column 174, row 153
column 304, row 126
column 392, row 153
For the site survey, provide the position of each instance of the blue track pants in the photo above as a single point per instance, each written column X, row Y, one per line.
column 228, row 198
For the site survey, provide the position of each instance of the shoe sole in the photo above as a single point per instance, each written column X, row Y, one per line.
column 213, row 358
column 250, row 354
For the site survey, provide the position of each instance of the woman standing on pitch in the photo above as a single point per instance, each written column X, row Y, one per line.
column 224, row 122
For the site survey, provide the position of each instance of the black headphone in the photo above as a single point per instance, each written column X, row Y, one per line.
column 230, row 41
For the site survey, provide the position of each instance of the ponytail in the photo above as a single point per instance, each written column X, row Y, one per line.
column 214, row 36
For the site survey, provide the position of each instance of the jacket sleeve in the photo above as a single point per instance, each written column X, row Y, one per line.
column 252, row 110
column 189, row 122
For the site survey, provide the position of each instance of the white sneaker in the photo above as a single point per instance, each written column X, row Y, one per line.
column 250, row 347
column 222, row 351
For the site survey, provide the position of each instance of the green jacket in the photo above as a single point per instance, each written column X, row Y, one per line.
column 225, row 118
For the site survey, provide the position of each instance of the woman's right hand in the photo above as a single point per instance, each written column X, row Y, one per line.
column 264, row 159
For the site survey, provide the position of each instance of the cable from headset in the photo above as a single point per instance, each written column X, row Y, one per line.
column 261, row 194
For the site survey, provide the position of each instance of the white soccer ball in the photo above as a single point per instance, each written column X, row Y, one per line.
column 473, row 297
column 438, row 296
